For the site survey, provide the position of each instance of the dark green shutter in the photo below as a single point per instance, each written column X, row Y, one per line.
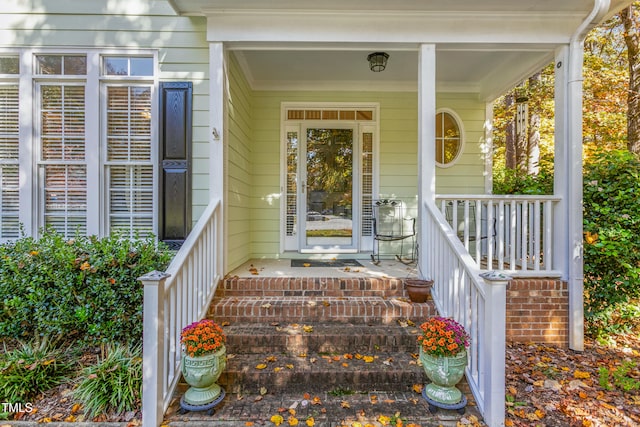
column 174, row 220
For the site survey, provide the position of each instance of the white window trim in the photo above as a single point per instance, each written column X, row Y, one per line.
column 458, row 120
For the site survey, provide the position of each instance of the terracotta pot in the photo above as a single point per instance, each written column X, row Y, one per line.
column 418, row 290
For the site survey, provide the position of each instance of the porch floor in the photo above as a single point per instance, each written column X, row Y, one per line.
column 386, row 269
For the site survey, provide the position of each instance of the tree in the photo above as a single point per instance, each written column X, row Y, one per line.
column 631, row 24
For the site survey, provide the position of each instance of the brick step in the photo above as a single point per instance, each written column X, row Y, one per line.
column 329, row 410
column 311, row 286
column 258, row 338
column 318, row 372
column 358, row 310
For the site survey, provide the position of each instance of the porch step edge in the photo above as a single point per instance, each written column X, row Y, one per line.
column 373, row 310
column 282, row 337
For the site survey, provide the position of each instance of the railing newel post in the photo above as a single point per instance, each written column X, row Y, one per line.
column 153, row 354
column 495, row 346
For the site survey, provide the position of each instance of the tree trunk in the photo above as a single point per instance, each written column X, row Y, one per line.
column 632, row 40
column 510, row 134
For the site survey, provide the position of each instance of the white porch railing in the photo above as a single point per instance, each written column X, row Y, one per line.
column 479, row 305
column 172, row 300
column 513, row 234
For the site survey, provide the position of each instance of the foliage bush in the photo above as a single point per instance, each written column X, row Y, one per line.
column 84, row 288
column 612, row 241
column 113, row 384
column 29, row 370
column 513, row 181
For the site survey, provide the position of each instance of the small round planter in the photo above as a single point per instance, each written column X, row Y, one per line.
column 444, row 373
column 419, row 290
column 201, row 373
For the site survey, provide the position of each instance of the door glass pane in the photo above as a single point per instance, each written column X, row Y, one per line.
column 329, row 187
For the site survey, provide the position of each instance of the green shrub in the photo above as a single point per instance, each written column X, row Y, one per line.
column 84, row 288
column 30, row 370
column 512, row 181
column 113, row 384
column 612, row 241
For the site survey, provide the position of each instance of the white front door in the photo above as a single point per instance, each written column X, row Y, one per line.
column 328, row 177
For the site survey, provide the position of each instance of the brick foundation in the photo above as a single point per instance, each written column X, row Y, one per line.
column 538, row 311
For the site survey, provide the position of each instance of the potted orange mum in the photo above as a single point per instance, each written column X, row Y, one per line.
column 203, row 360
column 443, row 353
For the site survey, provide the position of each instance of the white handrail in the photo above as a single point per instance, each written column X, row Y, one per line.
column 511, row 233
column 479, row 305
column 172, row 300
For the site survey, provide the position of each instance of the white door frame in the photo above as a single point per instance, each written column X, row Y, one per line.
column 292, row 238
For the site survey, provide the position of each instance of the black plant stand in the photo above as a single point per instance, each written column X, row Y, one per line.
column 434, row 406
column 209, row 407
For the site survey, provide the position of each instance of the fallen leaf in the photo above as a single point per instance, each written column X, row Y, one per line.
column 267, row 305
column 310, row 422
column 263, row 391
column 277, row 419
column 307, row 328
column 306, row 264
column 345, row 404
column 581, row 374
column 417, row 388
column 293, row 421
column 261, row 366
column 368, row 359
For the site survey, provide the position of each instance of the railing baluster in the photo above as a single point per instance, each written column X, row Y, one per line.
column 537, row 235
column 548, row 233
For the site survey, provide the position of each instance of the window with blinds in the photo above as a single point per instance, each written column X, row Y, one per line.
column 9, row 143
column 61, row 163
column 129, row 164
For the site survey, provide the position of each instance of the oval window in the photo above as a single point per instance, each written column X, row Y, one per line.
column 448, row 138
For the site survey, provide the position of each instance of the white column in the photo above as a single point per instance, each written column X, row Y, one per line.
column 217, row 139
column 568, row 256
column 426, row 142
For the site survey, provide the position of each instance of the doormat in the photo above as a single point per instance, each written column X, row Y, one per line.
column 325, row 263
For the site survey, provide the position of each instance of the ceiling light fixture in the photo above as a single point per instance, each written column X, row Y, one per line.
column 377, row 61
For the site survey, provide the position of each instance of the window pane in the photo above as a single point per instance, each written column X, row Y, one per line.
column 9, row 201
column 131, row 199
column 129, row 123
column 9, row 122
column 75, row 65
column 9, row 65
column 142, row 66
column 65, row 198
column 62, row 126
column 116, row 66
column 48, row 64
column 448, row 139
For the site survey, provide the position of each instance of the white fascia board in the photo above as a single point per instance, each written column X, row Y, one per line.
column 389, row 27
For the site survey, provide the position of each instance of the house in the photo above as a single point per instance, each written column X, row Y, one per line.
column 268, row 119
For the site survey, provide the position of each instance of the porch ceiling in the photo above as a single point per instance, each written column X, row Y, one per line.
column 482, row 46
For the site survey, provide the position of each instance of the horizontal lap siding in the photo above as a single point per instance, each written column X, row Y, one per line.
column 239, row 167
column 122, row 25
